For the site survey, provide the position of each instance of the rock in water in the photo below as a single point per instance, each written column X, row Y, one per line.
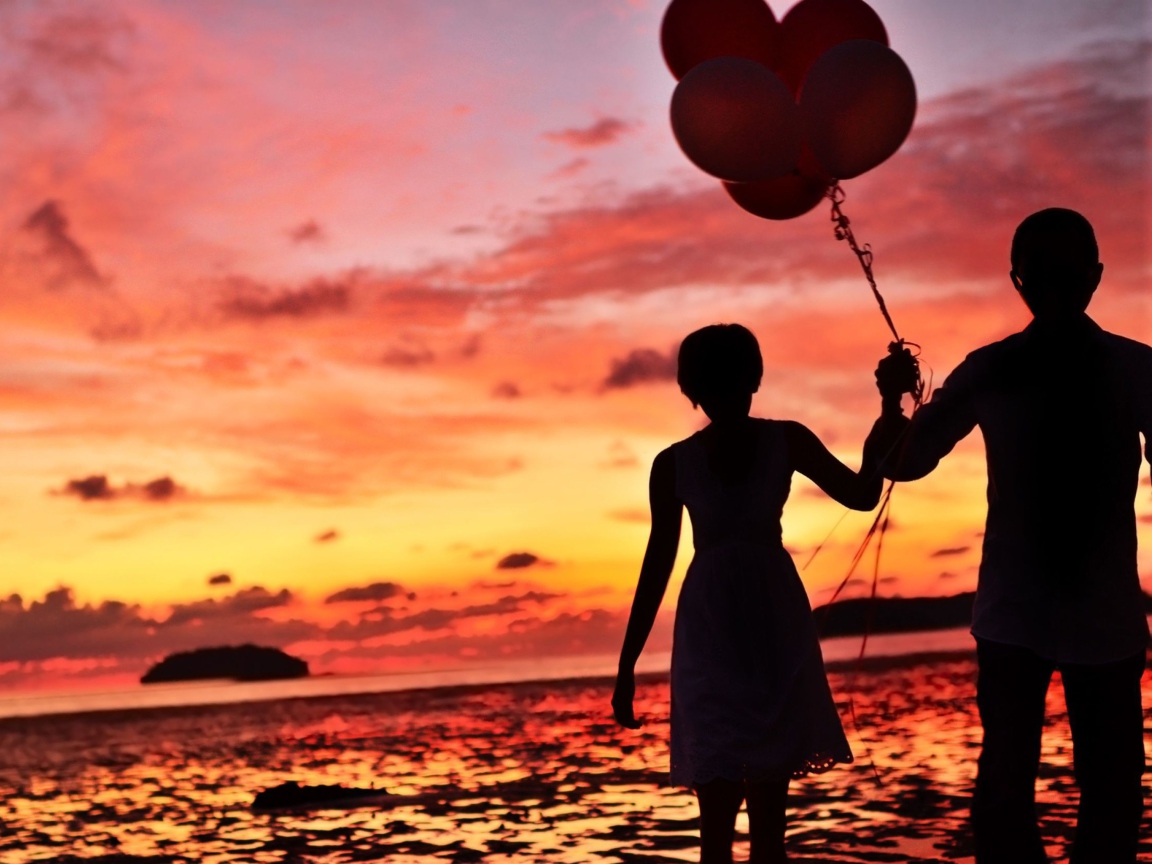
column 239, row 663
column 292, row 795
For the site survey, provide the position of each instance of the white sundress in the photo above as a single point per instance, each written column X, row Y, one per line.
column 750, row 700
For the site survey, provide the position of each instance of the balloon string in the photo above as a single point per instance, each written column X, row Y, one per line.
column 843, row 231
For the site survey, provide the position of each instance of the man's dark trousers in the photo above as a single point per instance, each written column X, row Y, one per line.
column 1108, row 750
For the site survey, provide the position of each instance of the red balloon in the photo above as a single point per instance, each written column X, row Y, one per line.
column 812, row 27
column 779, row 198
column 736, row 120
column 857, row 105
column 697, row 30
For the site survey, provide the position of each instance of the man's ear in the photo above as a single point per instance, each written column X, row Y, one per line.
column 1097, row 274
column 1016, row 281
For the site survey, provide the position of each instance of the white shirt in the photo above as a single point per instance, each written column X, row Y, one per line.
column 1061, row 417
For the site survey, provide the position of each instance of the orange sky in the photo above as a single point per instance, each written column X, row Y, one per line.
column 388, row 292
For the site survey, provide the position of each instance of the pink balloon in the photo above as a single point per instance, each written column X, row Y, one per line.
column 779, row 198
column 857, row 106
column 697, row 30
column 736, row 120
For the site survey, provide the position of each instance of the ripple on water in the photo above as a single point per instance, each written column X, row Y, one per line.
column 539, row 771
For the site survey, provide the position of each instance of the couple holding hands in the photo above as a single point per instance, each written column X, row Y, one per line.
column 1061, row 406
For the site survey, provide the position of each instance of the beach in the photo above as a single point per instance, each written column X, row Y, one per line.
column 521, row 772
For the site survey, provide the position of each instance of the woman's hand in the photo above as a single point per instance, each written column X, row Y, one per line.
column 622, row 699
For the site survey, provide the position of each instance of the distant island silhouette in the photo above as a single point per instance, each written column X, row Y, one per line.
column 239, row 663
column 901, row 614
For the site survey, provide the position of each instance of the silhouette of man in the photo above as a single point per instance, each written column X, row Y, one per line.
column 1061, row 406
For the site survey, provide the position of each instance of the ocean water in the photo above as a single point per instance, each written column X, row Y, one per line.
column 518, row 772
column 17, row 704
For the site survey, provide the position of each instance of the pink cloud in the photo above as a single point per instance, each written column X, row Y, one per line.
column 607, row 130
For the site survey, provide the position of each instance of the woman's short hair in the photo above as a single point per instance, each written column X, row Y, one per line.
column 719, row 360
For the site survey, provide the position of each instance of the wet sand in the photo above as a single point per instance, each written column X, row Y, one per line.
column 531, row 772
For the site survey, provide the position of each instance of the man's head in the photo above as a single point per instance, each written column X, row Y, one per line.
column 1056, row 263
column 719, row 367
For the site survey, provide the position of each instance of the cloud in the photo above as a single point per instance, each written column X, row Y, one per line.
column 220, row 579
column 80, row 41
column 605, row 131
column 635, row 515
column 506, row 390
column 57, row 627
column 375, row 592
column 570, row 169
column 307, row 232
column 383, row 621
column 953, row 550
column 243, row 602
column 520, row 560
column 63, row 261
column 251, row 300
column 327, row 536
column 93, row 488
column 641, row 366
column 160, row 489
column 407, row 357
column 97, row 488
column 620, row 455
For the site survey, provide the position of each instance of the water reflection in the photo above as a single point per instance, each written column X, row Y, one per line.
column 531, row 772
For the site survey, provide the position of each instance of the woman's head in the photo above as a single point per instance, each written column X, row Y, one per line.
column 719, row 368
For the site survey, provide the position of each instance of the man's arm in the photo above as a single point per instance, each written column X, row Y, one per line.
column 912, row 448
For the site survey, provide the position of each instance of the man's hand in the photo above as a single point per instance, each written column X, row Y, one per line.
column 897, row 374
column 622, row 699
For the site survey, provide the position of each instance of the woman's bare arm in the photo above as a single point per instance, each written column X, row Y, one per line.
column 667, row 516
column 858, row 490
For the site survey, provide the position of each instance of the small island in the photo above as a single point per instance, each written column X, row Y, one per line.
column 238, row 663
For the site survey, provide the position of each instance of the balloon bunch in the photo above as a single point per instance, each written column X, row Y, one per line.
column 782, row 111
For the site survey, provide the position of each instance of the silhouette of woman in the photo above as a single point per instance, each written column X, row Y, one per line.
column 751, row 706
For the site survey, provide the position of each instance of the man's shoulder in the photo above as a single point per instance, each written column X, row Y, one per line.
column 987, row 357
column 1130, row 347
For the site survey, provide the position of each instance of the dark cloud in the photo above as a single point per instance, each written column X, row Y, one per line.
column 506, row 390
column 57, row 627
column 605, row 131
column 375, row 592
column 93, row 488
column 327, row 536
column 520, row 560
column 243, row 602
column 407, row 357
column 593, row 631
column 220, row 579
column 308, row 232
column 641, row 366
column 97, row 488
column 80, row 41
column 161, row 489
column 383, row 621
column 952, row 550
column 251, row 300
column 946, row 576
column 64, row 263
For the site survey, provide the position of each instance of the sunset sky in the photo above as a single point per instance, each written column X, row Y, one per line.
column 368, row 310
